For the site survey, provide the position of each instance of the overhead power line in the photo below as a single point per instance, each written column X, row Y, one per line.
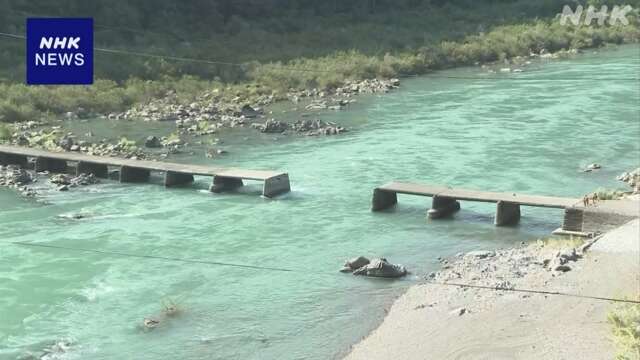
column 153, row 257
column 315, row 273
column 297, row 69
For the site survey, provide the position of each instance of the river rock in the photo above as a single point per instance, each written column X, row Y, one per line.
column 66, row 143
column 249, row 112
column 481, row 254
column 568, row 255
column 354, row 264
column 632, row 179
column 85, row 179
column 272, row 126
column 460, row 311
column 152, row 142
column 60, row 179
column 13, row 175
column 381, row 268
column 68, row 180
column 592, row 167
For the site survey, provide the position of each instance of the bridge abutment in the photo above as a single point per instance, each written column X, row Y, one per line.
column 573, row 219
column 133, row 174
column 172, row 178
column 443, row 206
column 507, row 214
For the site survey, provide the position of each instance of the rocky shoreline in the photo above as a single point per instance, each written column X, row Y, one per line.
column 211, row 111
column 501, row 303
column 210, row 114
column 214, row 110
column 23, row 180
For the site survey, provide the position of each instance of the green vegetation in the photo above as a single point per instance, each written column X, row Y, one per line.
column 5, row 132
column 561, row 243
column 281, row 44
column 127, row 145
column 607, row 194
column 625, row 325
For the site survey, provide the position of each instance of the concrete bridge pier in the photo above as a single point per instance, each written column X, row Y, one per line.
column 172, row 178
column 383, row 199
column 221, row 183
column 99, row 170
column 442, row 207
column 276, row 185
column 133, row 174
column 13, row 159
column 50, row 165
column 507, row 213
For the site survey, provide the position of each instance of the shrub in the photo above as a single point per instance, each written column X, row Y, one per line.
column 625, row 325
column 5, row 132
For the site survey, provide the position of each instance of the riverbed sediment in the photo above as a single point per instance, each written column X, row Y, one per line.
column 536, row 301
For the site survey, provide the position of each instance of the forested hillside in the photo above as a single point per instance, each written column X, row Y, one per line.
column 274, row 45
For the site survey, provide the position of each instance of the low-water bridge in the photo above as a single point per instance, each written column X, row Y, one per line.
column 224, row 179
column 579, row 218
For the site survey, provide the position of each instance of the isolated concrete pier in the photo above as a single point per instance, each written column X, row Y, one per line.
column 276, row 185
column 446, row 201
column 224, row 179
column 383, row 199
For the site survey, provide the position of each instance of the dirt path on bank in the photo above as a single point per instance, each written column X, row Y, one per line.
column 434, row 321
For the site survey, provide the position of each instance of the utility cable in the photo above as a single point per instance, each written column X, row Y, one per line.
column 254, row 267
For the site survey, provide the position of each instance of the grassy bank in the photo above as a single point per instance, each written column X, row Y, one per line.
column 625, row 325
column 370, row 47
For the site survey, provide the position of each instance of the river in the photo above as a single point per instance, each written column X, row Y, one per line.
column 514, row 134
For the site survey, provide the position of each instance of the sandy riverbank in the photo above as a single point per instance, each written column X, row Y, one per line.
column 432, row 321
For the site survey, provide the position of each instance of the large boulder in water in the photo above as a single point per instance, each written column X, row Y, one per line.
column 354, row 264
column 381, row 268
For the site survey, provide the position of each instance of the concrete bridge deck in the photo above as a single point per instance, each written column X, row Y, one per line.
column 480, row 196
column 579, row 218
column 275, row 183
column 445, row 200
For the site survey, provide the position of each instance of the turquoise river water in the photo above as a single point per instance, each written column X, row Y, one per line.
column 513, row 134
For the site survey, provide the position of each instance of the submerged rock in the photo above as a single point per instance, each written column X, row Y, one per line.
column 149, row 323
column 481, row 254
column 60, row 179
column 592, row 167
column 65, row 180
column 272, row 126
column 13, row 175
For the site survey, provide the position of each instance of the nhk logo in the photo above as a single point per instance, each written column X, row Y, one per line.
column 59, row 51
